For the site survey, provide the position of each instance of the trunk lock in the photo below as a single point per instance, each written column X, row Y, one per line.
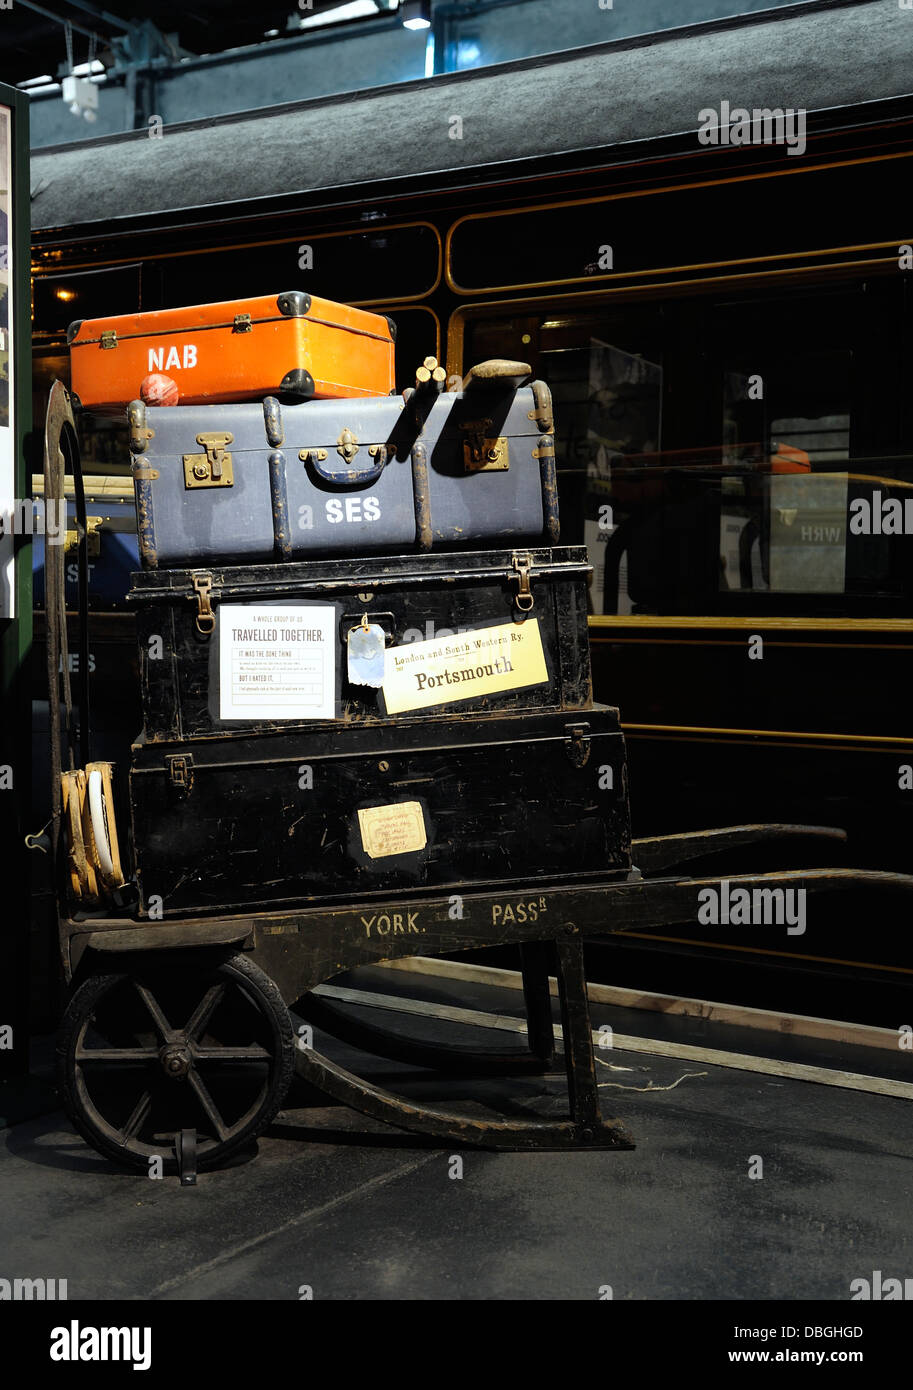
column 212, row 468
column 522, row 563
column 206, row 619
column 180, row 772
column 577, row 744
column 482, row 451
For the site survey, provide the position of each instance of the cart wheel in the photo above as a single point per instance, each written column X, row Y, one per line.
column 175, row 1044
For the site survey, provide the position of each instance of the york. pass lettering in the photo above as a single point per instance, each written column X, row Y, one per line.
column 158, row 362
column 518, row 911
column 391, row 923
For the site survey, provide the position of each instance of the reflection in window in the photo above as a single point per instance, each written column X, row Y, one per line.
column 711, row 452
column 783, row 516
column 625, row 401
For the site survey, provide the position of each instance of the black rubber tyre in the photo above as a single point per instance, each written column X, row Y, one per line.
column 172, row 1042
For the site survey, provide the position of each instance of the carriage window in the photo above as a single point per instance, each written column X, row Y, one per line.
column 84, row 294
column 731, row 457
column 396, row 262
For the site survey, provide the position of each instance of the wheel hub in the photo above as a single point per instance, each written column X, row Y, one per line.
column 176, row 1060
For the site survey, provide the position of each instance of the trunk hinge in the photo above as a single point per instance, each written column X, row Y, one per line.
column 206, row 619
column 522, row 563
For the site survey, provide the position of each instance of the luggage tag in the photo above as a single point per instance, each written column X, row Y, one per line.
column 366, row 645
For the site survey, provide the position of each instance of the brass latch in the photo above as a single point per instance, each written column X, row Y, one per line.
column 213, row 468
column 577, row 744
column 347, row 445
column 180, row 771
column 108, row 338
column 93, row 537
column 481, row 452
column 523, row 563
column 242, row 324
column 206, row 619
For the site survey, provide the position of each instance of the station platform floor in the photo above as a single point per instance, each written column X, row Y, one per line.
column 331, row 1205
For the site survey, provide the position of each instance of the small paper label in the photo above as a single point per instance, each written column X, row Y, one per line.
column 277, row 661
column 366, row 647
column 481, row 662
column 396, row 829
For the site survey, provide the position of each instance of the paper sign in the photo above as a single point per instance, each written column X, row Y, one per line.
column 277, row 661
column 481, row 662
column 396, row 829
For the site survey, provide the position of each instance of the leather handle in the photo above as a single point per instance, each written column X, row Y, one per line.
column 351, row 477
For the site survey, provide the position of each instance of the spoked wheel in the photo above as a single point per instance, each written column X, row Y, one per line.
column 171, row 1045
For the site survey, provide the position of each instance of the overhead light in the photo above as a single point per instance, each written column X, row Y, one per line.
column 416, row 14
column 65, row 295
column 81, row 96
column 354, row 9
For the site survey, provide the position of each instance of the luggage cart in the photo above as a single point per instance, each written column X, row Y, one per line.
column 178, row 1043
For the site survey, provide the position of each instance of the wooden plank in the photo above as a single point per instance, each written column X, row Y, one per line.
column 736, row 1061
column 740, row 1016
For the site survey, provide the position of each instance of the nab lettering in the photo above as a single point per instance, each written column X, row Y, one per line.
column 158, row 362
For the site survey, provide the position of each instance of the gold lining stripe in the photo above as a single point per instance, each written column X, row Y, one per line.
column 457, row 320
column 45, row 271
column 696, row 265
column 648, row 620
column 739, row 643
column 764, row 951
column 781, row 735
column 642, row 193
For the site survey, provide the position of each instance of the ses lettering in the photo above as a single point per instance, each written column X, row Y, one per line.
column 353, row 509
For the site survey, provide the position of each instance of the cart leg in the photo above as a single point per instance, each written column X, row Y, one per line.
column 584, row 1128
column 534, row 959
column 580, row 1060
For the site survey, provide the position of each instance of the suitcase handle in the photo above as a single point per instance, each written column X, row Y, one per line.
column 344, row 474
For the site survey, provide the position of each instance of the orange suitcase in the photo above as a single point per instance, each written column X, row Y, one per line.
column 293, row 345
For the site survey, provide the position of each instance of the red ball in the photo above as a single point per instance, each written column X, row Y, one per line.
column 158, row 389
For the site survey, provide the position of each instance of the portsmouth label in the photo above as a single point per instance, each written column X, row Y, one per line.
column 482, row 662
column 394, row 829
